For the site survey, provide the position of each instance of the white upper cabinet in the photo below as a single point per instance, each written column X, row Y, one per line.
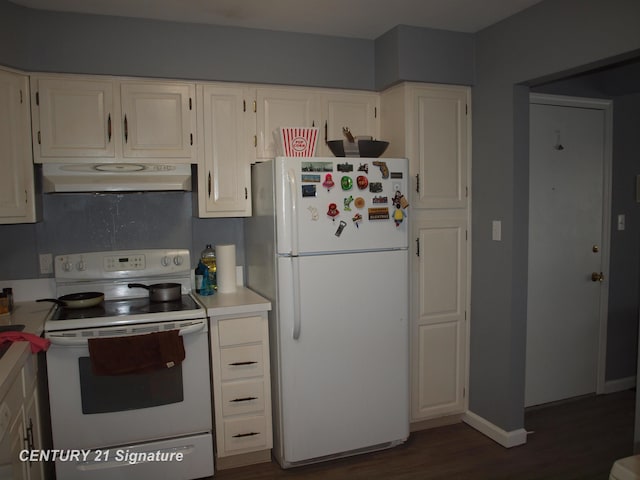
column 328, row 110
column 224, row 180
column 108, row 119
column 158, row 119
column 430, row 125
column 17, row 200
column 73, row 118
column 283, row 107
column 356, row 110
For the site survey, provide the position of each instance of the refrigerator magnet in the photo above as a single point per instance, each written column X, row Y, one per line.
column 308, row 190
column 347, row 203
column 375, row 187
column 333, row 211
column 314, row 213
column 346, row 182
column 383, row 168
column 328, row 182
column 341, row 228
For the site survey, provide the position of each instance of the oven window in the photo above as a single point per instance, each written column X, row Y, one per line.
column 117, row 393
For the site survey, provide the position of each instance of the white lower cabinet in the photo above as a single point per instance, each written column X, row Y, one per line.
column 241, row 389
column 19, row 411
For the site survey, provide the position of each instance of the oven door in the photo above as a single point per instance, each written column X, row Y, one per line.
column 94, row 412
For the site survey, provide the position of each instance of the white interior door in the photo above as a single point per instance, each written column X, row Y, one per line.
column 568, row 250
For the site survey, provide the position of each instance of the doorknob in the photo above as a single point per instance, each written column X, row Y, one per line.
column 597, row 277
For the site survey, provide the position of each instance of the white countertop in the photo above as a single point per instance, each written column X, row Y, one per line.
column 32, row 316
column 242, row 301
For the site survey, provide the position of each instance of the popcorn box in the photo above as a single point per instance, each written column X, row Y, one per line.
column 298, row 141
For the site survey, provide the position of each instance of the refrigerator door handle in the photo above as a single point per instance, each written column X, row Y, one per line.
column 291, row 176
column 295, row 265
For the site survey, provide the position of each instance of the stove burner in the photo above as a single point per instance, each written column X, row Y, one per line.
column 129, row 306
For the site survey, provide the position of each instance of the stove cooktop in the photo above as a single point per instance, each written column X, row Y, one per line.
column 125, row 307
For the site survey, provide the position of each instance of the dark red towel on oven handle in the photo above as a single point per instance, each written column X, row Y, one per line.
column 136, row 353
column 37, row 343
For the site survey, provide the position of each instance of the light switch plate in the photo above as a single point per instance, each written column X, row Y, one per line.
column 496, row 230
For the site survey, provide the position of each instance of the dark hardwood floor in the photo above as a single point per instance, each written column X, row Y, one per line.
column 576, row 439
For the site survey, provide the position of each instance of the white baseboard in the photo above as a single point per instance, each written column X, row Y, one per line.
column 495, row 433
column 619, row 385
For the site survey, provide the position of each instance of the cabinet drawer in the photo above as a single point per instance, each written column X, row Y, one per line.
column 240, row 330
column 241, row 362
column 243, row 397
column 245, row 433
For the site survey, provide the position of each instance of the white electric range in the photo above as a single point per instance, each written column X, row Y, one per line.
column 145, row 425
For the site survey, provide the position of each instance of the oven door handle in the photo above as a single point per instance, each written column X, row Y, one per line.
column 194, row 328
column 188, row 329
column 68, row 341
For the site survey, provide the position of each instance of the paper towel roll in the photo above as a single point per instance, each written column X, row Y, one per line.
column 226, row 268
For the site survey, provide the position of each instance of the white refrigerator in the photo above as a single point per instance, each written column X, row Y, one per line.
column 327, row 245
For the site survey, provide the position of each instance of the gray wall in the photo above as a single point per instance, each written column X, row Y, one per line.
column 34, row 40
column 624, row 281
column 546, row 41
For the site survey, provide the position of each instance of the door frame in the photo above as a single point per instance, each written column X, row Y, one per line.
column 607, row 107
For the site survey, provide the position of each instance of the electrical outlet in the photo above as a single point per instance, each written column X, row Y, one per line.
column 46, row 263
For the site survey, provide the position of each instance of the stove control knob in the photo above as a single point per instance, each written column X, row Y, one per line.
column 67, row 266
column 81, row 266
column 178, row 260
column 166, row 261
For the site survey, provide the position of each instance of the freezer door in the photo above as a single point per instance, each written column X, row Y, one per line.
column 344, row 366
column 340, row 205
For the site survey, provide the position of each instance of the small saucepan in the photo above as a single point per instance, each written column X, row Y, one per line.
column 161, row 292
column 77, row 300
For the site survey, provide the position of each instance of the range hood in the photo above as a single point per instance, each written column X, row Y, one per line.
column 115, row 177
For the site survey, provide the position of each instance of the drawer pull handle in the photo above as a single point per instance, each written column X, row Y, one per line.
column 239, row 364
column 250, row 434
column 244, row 399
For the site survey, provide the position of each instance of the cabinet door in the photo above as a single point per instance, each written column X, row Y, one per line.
column 32, row 429
column 357, row 111
column 158, row 120
column 19, row 470
column 16, row 181
column 223, row 167
column 439, row 146
column 73, row 119
column 439, row 326
column 283, row 108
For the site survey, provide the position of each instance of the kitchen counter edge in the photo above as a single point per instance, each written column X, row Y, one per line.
column 242, row 301
column 32, row 315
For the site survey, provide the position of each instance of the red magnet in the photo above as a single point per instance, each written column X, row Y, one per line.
column 328, row 181
column 333, row 210
column 362, row 182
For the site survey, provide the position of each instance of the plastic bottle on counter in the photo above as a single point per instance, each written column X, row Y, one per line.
column 208, row 259
column 9, row 293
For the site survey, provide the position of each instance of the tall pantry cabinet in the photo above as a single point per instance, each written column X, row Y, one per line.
column 431, row 125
